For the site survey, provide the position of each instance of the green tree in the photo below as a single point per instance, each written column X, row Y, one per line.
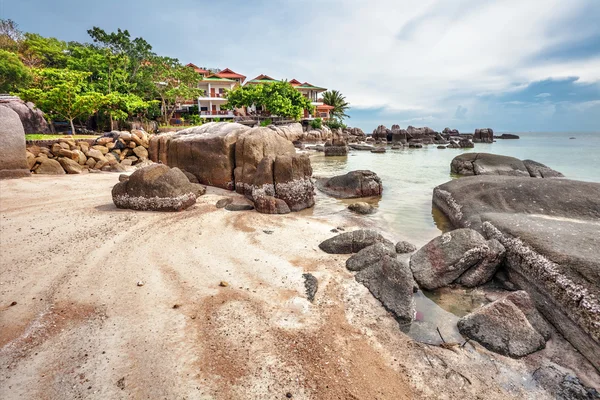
column 63, row 93
column 280, row 98
column 10, row 35
column 120, row 106
column 335, row 99
column 173, row 83
column 13, row 74
column 38, row 51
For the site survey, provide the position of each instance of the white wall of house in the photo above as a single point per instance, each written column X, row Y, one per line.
column 219, row 88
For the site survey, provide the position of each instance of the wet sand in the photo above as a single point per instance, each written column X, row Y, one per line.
column 83, row 328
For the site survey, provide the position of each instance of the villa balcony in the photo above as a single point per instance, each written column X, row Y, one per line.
column 216, row 113
column 213, row 96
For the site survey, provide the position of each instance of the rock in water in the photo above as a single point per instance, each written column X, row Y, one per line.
column 13, row 158
column 352, row 242
column 448, row 256
column 487, row 164
column 361, row 208
column 563, row 386
column 362, row 183
column 391, row 282
column 539, row 170
column 156, row 188
column 403, row 247
column 311, row 285
column 502, row 327
column 369, row 256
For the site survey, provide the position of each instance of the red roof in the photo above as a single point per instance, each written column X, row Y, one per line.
column 227, row 73
column 324, row 107
column 295, row 82
column 197, row 69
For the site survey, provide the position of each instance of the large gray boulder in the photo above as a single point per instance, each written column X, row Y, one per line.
column 549, row 228
column 503, row 328
column 445, row 258
column 539, row 170
column 31, row 117
column 370, row 256
column 13, row 160
column 156, row 188
column 485, row 270
column 487, row 164
column 353, row 242
column 391, row 282
column 361, row 183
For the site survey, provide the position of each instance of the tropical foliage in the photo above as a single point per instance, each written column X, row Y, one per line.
column 335, row 99
column 280, row 98
column 112, row 79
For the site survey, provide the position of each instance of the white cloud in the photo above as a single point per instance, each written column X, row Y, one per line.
column 543, row 95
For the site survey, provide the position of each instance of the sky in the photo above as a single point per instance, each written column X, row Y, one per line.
column 511, row 65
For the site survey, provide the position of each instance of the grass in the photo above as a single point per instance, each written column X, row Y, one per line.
column 41, row 136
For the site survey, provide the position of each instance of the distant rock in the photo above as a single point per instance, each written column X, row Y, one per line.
column 485, row 135
column 507, row 136
column 361, row 208
column 378, row 150
column 361, row 183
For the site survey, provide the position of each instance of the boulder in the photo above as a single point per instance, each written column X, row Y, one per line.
column 378, row 150
column 487, row 164
column 403, row 247
column 71, row 166
column 507, row 136
column 503, row 328
column 207, row 151
column 521, row 299
column 549, row 228
column 96, row 155
column 391, row 283
column 141, row 152
column 361, row 183
column 369, row 256
column 352, row 242
column 562, row 385
column 446, row 257
column 156, row 188
column 32, row 118
column 361, row 207
column 13, row 158
column 30, row 160
column 484, row 271
column 239, row 207
column 290, row 132
column 221, row 203
column 539, row 170
column 358, row 146
column 485, row 135
column 48, row 166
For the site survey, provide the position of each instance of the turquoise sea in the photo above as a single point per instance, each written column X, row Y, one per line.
column 409, row 176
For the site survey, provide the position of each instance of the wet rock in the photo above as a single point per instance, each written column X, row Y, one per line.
column 446, row 257
column 352, row 242
column 378, row 150
column 358, row 146
column 562, row 385
column 361, row 207
column 390, row 282
column 311, row 284
column 539, row 170
column 361, row 183
column 223, row 202
column 157, row 188
column 369, row 256
column 487, row 164
column 503, row 328
column 403, row 247
column 484, row 271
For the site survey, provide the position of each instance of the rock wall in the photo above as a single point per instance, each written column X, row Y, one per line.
column 115, row 151
column 13, row 161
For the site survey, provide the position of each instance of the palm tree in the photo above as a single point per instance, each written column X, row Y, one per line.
column 335, row 99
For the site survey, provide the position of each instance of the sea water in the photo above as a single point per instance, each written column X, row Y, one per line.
column 410, row 175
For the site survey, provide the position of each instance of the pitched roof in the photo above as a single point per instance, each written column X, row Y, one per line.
column 295, row 82
column 216, row 78
column 227, row 73
column 263, row 79
column 324, row 107
column 197, row 69
column 307, row 85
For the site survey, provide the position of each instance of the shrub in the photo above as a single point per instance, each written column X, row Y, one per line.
column 266, row 122
column 217, row 119
column 194, row 119
column 316, row 123
column 335, row 124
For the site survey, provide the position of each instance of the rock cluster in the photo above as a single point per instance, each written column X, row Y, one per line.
column 13, row 161
column 260, row 163
column 418, row 137
column 336, row 146
column 156, row 188
column 361, row 183
column 112, row 152
column 511, row 326
column 494, row 164
column 485, row 135
column 31, row 117
column 463, row 256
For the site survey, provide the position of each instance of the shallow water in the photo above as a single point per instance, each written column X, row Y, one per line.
column 410, row 175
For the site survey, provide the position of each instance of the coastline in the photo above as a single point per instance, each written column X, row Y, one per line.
column 81, row 323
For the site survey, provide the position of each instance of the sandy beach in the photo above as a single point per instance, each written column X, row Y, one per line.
column 75, row 324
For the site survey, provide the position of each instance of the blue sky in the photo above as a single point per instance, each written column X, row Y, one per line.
column 512, row 65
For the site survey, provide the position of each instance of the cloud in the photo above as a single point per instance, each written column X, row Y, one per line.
column 543, row 95
column 394, row 60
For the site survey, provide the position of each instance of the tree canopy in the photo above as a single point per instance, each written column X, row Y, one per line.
column 280, row 98
column 13, row 74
